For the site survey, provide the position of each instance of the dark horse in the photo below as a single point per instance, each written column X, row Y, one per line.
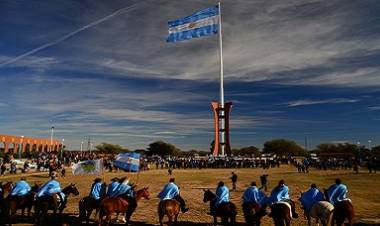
column 225, row 211
column 281, row 213
column 14, row 203
column 86, row 206
column 252, row 213
column 342, row 210
column 171, row 208
column 45, row 203
column 126, row 205
column 4, row 189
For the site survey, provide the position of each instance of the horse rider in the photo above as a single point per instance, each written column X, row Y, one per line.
column 50, row 188
column 124, row 189
column 222, row 196
column 21, row 188
column 98, row 190
column 171, row 191
column 254, row 195
column 337, row 192
column 281, row 193
column 112, row 187
column 310, row 197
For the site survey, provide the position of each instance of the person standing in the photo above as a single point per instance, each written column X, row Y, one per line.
column 233, row 180
column 264, row 182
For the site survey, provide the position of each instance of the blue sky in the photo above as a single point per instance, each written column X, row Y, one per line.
column 293, row 69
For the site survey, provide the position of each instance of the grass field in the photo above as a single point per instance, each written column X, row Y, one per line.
column 363, row 190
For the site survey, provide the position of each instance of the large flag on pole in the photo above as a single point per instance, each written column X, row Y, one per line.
column 88, row 167
column 128, row 161
column 201, row 23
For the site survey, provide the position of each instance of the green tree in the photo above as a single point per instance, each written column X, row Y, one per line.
column 251, row 150
column 110, row 148
column 337, row 148
column 283, row 147
column 161, row 148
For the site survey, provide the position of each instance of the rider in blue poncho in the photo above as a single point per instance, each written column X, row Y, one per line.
column 337, row 192
column 98, row 189
column 281, row 193
column 112, row 188
column 171, row 191
column 254, row 195
column 310, row 197
column 21, row 188
column 50, row 188
column 222, row 196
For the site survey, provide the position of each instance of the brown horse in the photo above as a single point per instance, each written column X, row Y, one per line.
column 281, row 213
column 342, row 210
column 86, row 206
column 46, row 203
column 171, row 208
column 253, row 213
column 226, row 211
column 14, row 203
column 5, row 189
column 109, row 206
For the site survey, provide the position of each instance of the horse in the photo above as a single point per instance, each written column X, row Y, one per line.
column 281, row 213
column 253, row 213
column 342, row 210
column 226, row 211
column 323, row 211
column 86, row 206
column 4, row 189
column 111, row 205
column 171, row 208
column 45, row 203
column 14, row 203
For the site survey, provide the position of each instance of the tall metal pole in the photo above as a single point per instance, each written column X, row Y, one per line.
column 51, row 138
column 63, row 140
column 222, row 127
column 20, row 147
column 81, row 146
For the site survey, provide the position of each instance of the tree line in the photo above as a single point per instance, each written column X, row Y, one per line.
column 279, row 147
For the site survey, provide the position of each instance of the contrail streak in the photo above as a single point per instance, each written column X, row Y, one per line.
column 69, row 35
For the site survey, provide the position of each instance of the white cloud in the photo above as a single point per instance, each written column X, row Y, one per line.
column 297, row 103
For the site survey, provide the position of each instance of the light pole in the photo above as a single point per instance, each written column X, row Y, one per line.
column 90, row 148
column 20, row 148
column 63, row 140
column 369, row 144
column 81, row 146
column 51, row 138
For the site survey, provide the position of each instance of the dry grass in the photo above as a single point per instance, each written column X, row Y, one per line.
column 363, row 190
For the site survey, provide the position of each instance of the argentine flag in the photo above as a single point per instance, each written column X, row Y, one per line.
column 201, row 23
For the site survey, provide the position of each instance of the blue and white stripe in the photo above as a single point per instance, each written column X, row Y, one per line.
column 201, row 23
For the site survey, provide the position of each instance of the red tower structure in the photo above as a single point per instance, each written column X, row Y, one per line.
column 222, row 134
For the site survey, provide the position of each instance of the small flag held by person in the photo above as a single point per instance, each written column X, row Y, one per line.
column 88, row 167
column 201, row 23
column 128, row 161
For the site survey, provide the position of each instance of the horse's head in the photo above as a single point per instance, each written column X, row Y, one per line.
column 146, row 194
column 7, row 187
column 71, row 189
column 208, row 195
column 35, row 187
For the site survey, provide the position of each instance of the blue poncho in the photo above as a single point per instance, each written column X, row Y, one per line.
column 21, row 188
column 50, row 188
column 222, row 195
column 279, row 193
column 310, row 197
column 112, row 189
column 254, row 195
column 169, row 191
column 97, row 191
column 124, row 189
column 337, row 193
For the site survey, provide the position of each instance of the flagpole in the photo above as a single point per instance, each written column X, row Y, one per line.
column 221, row 113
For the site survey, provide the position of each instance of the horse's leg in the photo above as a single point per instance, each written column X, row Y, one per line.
column 224, row 221
column 88, row 215
column 160, row 217
column 308, row 219
column 175, row 219
column 170, row 219
column 215, row 221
